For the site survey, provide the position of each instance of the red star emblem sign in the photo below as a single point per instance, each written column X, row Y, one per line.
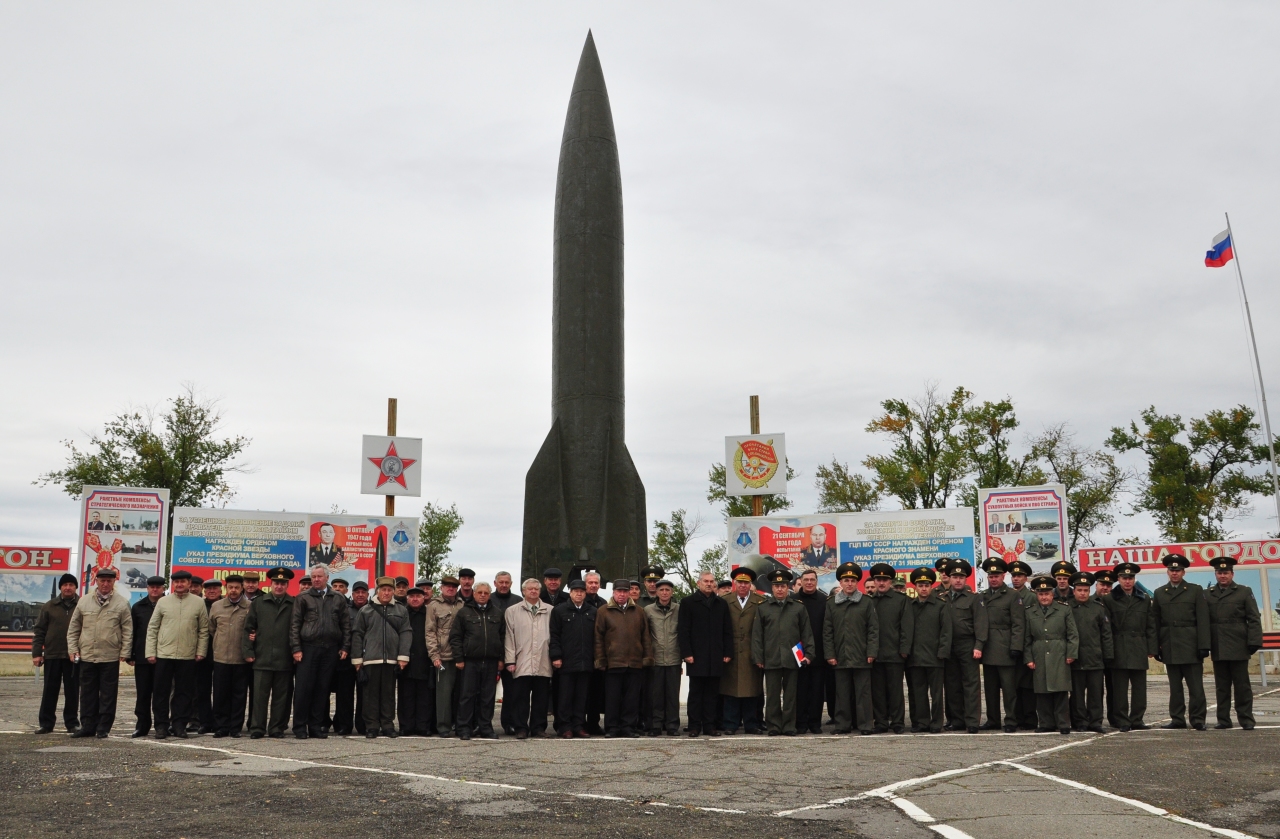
column 391, row 466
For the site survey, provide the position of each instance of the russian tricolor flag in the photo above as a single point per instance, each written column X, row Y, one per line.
column 1221, row 253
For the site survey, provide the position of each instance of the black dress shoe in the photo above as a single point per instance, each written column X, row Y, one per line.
column 1124, row 729
column 218, row 735
column 161, row 734
column 1096, row 729
column 45, row 730
column 879, row 729
column 1247, row 726
column 817, row 729
column 715, row 732
column 181, row 735
column 1198, row 726
column 1222, row 726
column 1170, row 725
column 1064, row 731
column 84, row 732
column 637, row 734
column 973, row 729
column 319, row 735
column 1010, row 729
column 615, row 734
column 464, row 735
column 1140, row 726
column 101, row 735
column 843, row 731
column 138, row 732
column 278, row 735
column 204, row 729
column 371, row 735
column 989, row 726
column 255, row 735
column 301, row 735
column 1043, row 730
column 915, row 729
column 390, row 732
column 897, row 729
column 235, row 735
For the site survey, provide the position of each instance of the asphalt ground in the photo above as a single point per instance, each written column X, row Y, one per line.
column 987, row 786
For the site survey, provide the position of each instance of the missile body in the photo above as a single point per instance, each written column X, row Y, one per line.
column 584, row 503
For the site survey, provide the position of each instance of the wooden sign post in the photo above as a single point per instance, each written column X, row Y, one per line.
column 757, row 501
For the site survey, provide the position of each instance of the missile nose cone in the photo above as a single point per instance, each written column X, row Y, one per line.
column 589, row 113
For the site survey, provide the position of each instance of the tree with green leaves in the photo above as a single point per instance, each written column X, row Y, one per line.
column 928, row 462
column 669, row 547
column 1198, row 474
column 739, row 506
column 1093, row 480
column 179, row 450
column 843, row 491
column 439, row 526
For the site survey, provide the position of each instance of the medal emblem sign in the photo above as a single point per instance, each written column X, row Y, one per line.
column 391, row 466
column 753, row 464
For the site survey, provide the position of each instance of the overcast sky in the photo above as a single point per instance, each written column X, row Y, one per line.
column 304, row 209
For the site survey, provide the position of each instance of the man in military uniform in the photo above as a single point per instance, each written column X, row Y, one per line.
column 897, row 621
column 1002, row 651
column 1055, row 643
column 266, row 647
column 851, row 639
column 781, row 625
column 1062, row 572
column 740, row 682
column 1103, row 581
column 1019, row 573
column 1133, row 635
column 819, row 555
column 968, row 635
column 1181, row 615
column 930, row 648
column 651, row 575
column 1095, row 648
column 1235, row 634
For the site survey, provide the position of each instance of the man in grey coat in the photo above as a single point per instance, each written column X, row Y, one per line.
column 380, row 645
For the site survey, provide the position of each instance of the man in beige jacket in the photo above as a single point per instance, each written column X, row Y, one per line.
column 177, row 637
column 231, row 674
column 528, row 660
column 440, row 615
column 99, row 637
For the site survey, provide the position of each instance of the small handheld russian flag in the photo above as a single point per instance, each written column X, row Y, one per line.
column 798, row 652
column 1221, row 253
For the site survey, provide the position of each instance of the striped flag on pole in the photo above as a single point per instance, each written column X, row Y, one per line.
column 1221, row 252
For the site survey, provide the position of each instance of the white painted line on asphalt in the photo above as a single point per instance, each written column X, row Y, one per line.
column 949, row 832
column 1132, row 802
column 911, row 810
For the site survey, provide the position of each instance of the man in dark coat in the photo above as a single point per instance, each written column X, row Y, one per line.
column 595, row 688
column 348, row 701
column 1055, row 643
column 1019, row 573
column 266, row 647
column 1093, row 624
column 503, row 597
column 624, row 648
column 1002, row 651
column 144, row 672
column 705, row 635
column 930, row 649
column 968, row 634
column 417, row 688
column 1104, row 579
column 781, row 626
column 49, row 650
column 1235, row 634
column 896, row 617
column 319, row 635
column 1181, row 616
column 477, row 638
column 1133, row 636
column 851, row 638
column 572, row 649
column 812, row 690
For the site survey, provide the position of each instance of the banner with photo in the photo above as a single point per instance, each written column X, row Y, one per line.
column 907, row 539
column 214, row 543
column 795, row 542
column 1024, row 523
column 28, row 579
column 123, row 528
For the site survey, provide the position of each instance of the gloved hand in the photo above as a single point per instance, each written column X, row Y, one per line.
column 1016, row 655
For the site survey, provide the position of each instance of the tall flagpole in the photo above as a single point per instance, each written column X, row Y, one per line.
column 1266, row 415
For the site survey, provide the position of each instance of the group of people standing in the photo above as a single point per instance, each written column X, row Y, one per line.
column 762, row 657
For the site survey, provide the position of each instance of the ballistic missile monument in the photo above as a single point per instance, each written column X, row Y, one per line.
column 583, row 500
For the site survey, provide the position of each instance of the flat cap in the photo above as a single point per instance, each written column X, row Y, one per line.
column 552, row 573
column 387, row 581
column 155, row 581
column 574, row 585
column 466, row 572
column 847, row 570
column 106, row 573
column 177, row 575
column 360, row 585
column 236, row 578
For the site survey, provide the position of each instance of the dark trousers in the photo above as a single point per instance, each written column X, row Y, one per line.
column 926, row 697
column 829, row 688
column 508, row 715
column 230, row 693
column 479, row 691
column 99, row 683
column 528, row 700
column 1052, row 711
column 740, row 712
column 886, row 694
column 144, row 682
column 963, row 690
column 571, row 701
column 417, row 700
column 1193, row 675
column 664, row 698
column 997, row 679
column 780, row 699
column 1086, row 698
column 448, row 687
column 1226, row 676
column 1129, row 712
column 811, row 692
column 701, row 704
column 60, row 674
column 595, row 702
column 379, row 697
column 1109, row 697
column 345, row 713
column 854, row 705
column 1026, row 705
column 270, row 690
column 174, row 695
column 622, row 691
column 204, row 694
column 311, row 687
